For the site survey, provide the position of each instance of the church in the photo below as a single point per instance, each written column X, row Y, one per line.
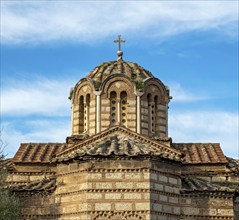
column 120, row 162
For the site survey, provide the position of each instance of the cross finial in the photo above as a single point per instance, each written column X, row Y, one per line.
column 119, row 41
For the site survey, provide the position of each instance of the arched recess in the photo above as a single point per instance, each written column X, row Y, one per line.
column 154, row 101
column 81, row 114
column 118, row 84
column 113, row 108
column 83, row 108
column 118, row 93
column 87, row 113
column 123, row 108
column 149, row 100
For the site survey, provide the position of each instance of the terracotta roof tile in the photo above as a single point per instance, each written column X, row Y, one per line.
column 46, row 184
column 195, row 184
column 37, row 152
column 201, row 153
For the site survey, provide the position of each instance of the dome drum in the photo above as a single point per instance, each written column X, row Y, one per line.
column 120, row 93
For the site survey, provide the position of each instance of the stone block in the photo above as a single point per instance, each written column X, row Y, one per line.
column 153, row 176
column 113, row 175
column 176, row 210
column 173, row 199
column 102, row 206
column 145, row 196
column 132, row 175
column 153, row 196
column 92, row 176
column 18, row 178
column 168, row 189
column 123, row 185
column 157, row 207
column 71, row 208
column 190, row 211
column 142, row 206
column 143, row 185
column 167, row 208
column 158, row 187
column 163, row 198
column 173, row 180
column 103, row 185
column 94, row 195
column 185, row 201
column 132, row 195
column 163, row 178
column 123, row 206
column 113, row 196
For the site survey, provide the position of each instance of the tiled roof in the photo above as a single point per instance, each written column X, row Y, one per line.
column 44, row 185
column 119, row 141
column 233, row 165
column 7, row 164
column 37, row 152
column 196, row 184
column 117, row 145
column 201, row 153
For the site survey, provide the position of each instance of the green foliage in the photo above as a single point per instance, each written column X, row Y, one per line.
column 71, row 93
column 97, row 84
column 139, row 85
column 9, row 204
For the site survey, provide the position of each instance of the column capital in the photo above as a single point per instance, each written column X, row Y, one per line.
column 98, row 93
column 137, row 93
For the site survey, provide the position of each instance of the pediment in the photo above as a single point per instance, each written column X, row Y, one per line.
column 118, row 141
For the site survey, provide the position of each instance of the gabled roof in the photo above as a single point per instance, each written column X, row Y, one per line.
column 201, row 153
column 37, row 152
column 118, row 141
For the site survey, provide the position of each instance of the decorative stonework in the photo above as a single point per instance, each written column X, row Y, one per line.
column 119, row 163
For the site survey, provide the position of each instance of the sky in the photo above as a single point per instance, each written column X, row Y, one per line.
column 48, row 46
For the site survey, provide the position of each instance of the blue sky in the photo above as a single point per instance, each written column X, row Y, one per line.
column 192, row 46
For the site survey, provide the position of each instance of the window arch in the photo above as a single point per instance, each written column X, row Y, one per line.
column 123, row 109
column 149, row 100
column 113, row 108
column 87, row 113
column 154, row 114
column 81, row 114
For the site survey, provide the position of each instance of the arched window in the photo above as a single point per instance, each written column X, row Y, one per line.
column 123, row 108
column 113, row 108
column 149, row 100
column 154, row 114
column 87, row 113
column 81, row 115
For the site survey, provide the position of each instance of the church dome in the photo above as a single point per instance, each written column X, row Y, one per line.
column 129, row 69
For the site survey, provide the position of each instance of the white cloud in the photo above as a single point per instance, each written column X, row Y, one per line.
column 41, row 96
column 82, row 21
column 43, row 131
column 48, row 101
column 180, row 94
column 214, row 127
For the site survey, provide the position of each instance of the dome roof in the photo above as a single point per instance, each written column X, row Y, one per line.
column 129, row 69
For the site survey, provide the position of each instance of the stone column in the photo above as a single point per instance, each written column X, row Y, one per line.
column 118, row 112
column 138, row 112
column 86, row 115
column 98, row 112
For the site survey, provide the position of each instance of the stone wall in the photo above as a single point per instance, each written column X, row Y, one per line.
column 128, row 189
column 39, row 206
column 206, row 206
column 29, row 173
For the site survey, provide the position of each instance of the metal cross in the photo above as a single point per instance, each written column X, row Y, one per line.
column 119, row 41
